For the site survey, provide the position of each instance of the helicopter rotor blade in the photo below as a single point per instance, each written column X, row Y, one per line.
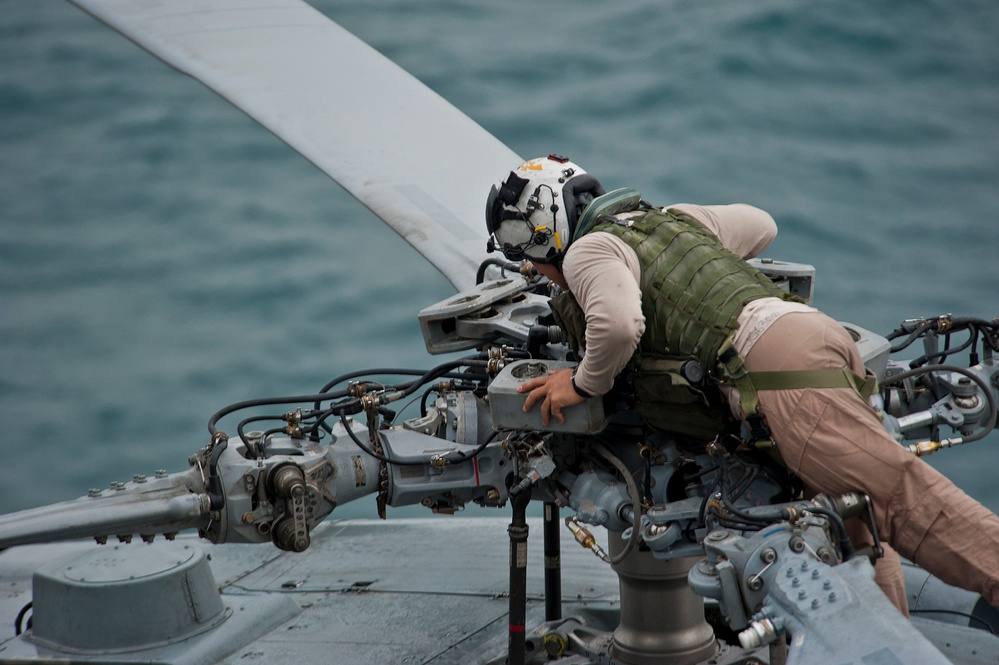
column 415, row 160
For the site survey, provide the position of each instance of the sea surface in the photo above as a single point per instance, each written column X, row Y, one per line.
column 162, row 256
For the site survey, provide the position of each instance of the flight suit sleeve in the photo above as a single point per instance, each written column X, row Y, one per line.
column 741, row 228
column 602, row 273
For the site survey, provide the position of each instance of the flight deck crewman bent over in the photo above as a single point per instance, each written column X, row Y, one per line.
column 643, row 282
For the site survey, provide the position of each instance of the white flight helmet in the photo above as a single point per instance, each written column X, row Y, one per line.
column 533, row 213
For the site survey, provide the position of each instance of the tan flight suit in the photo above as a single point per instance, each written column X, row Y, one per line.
column 831, row 438
column 836, row 443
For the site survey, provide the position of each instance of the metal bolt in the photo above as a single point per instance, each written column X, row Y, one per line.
column 117, row 485
column 827, row 585
column 815, row 574
column 769, row 555
column 802, row 594
column 706, row 567
column 148, row 537
column 832, row 596
column 138, row 478
column 718, row 535
column 795, row 582
column 790, row 572
column 161, row 473
column 93, row 492
column 804, row 565
column 815, row 604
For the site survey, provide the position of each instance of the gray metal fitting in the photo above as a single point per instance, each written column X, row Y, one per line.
column 759, row 633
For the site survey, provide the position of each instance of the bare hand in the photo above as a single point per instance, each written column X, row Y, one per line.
column 555, row 392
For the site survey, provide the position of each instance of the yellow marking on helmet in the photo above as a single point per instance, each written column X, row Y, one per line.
column 558, row 241
column 533, row 165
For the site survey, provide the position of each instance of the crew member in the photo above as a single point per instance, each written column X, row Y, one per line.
column 644, row 285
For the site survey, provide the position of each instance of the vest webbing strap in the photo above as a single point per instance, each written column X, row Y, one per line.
column 748, row 383
column 814, row 378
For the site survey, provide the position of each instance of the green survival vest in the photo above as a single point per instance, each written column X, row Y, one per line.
column 693, row 290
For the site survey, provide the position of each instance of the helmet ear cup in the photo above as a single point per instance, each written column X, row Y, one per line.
column 577, row 193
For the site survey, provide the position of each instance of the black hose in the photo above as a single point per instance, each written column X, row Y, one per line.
column 458, row 457
column 762, row 518
column 378, row 456
column 954, row 324
column 941, row 356
column 913, row 336
column 480, row 274
column 701, row 512
column 433, row 373
column 20, row 617
column 254, row 451
column 636, row 503
column 269, row 401
column 423, row 401
column 845, row 545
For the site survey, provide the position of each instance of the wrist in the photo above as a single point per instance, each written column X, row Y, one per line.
column 579, row 391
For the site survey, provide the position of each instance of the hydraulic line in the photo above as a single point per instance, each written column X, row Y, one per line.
column 270, row 401
column 480, row 274
column 941, row 356
column 378, row 456
column 951, row 325
column 636, row 502
column 761, row 519
column 440, row 371
column 457, row 458
column 397, row 371
column 756, row 521
column 845, row 544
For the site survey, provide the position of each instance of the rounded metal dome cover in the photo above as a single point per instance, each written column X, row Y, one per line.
column 125, row 598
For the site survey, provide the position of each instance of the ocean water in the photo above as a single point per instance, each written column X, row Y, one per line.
column 162, row 256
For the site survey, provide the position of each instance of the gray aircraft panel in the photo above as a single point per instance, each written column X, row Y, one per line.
column 457, row 556
column 366, row 591
column 410, row 591
column 370, row 592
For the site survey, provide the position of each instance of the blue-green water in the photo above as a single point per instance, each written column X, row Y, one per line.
column 161, row 256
